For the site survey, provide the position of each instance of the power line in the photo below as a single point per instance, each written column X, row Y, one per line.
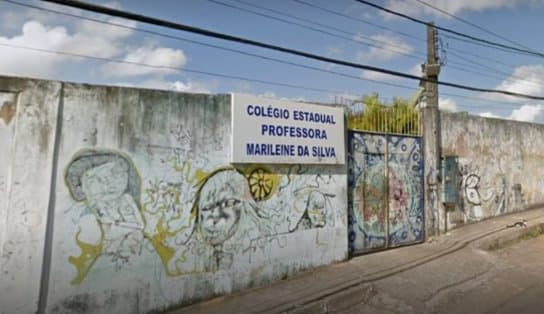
column 195, row 42
column 164, row 67
column 520, row 78
column 471, row 24
column 476, row 43
column 314, row 6
column 459, row 68
column 479, row 40
column 235, row 77
column 509, row 65
column 238, row 51
column 480, row 57
column 252, row 54
column 281, row 13
column 467, row 68
column 360, row 42
column 474, row 63
column 477, row 99
column 250, row 42
column 490, row 60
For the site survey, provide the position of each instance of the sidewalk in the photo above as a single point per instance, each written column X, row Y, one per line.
column 336, row 286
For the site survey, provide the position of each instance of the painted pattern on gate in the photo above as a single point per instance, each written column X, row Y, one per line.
column 384, row 182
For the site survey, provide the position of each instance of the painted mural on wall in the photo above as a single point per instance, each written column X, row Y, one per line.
column 386, row 195
column 202, row 222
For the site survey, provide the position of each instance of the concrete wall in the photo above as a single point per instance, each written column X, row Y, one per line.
column 501, row 165
column 146, row 211
column 28, row 119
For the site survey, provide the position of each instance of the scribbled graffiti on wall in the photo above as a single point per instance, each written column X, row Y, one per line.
column 206, row 220
column 487, row 193
column 385, row 199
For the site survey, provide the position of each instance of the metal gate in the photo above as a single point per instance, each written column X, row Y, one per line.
column 385, row 191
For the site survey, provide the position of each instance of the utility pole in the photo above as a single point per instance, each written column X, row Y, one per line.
column 435, row 216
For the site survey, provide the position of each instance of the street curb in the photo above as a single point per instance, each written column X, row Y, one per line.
column 509, row 236
column 325, row 301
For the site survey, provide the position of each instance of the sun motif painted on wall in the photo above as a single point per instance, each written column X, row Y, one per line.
column 262, row 183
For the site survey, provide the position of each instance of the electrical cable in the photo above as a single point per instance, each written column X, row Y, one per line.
column 314, row 6
column 476, row 43
column 383, row 42
column 229, row 76
column 351, row 39
column 458, row 68
column 238, row 51
column 195, row 42
column 164, row 67
column 250, row 42
column 246, row 53
column 471, row 24
column 508, row 75
column 474, row 39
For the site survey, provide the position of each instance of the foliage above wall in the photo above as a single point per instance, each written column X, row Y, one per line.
column 400, row 116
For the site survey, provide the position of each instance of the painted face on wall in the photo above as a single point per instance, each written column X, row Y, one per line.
column 105, row 182
column 220, row 205
column 316, row 209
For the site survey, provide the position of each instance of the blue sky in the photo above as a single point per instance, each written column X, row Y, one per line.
column 517, row 20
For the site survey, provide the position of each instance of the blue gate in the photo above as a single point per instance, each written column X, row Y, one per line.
column 385, row 191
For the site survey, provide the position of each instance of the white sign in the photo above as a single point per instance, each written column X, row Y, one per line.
column 276, row 131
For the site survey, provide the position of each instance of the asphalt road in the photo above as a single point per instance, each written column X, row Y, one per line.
column 472, row 280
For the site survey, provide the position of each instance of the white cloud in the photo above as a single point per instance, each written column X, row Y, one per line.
column 378, row 76
column 37, row 35
column 416, row 70
column 29, row 63
column 447, row 104
column 383, row 77
column 489, row 114
column 91, row 30
column 162, row 57
column 528, row 113
column 394, row 47
column 453, row 7
column 188, row 86
column 526, row 79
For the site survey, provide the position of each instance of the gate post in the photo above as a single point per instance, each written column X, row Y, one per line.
column 435, row 216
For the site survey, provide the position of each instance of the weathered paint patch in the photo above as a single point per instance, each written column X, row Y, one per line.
column 7, row 106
